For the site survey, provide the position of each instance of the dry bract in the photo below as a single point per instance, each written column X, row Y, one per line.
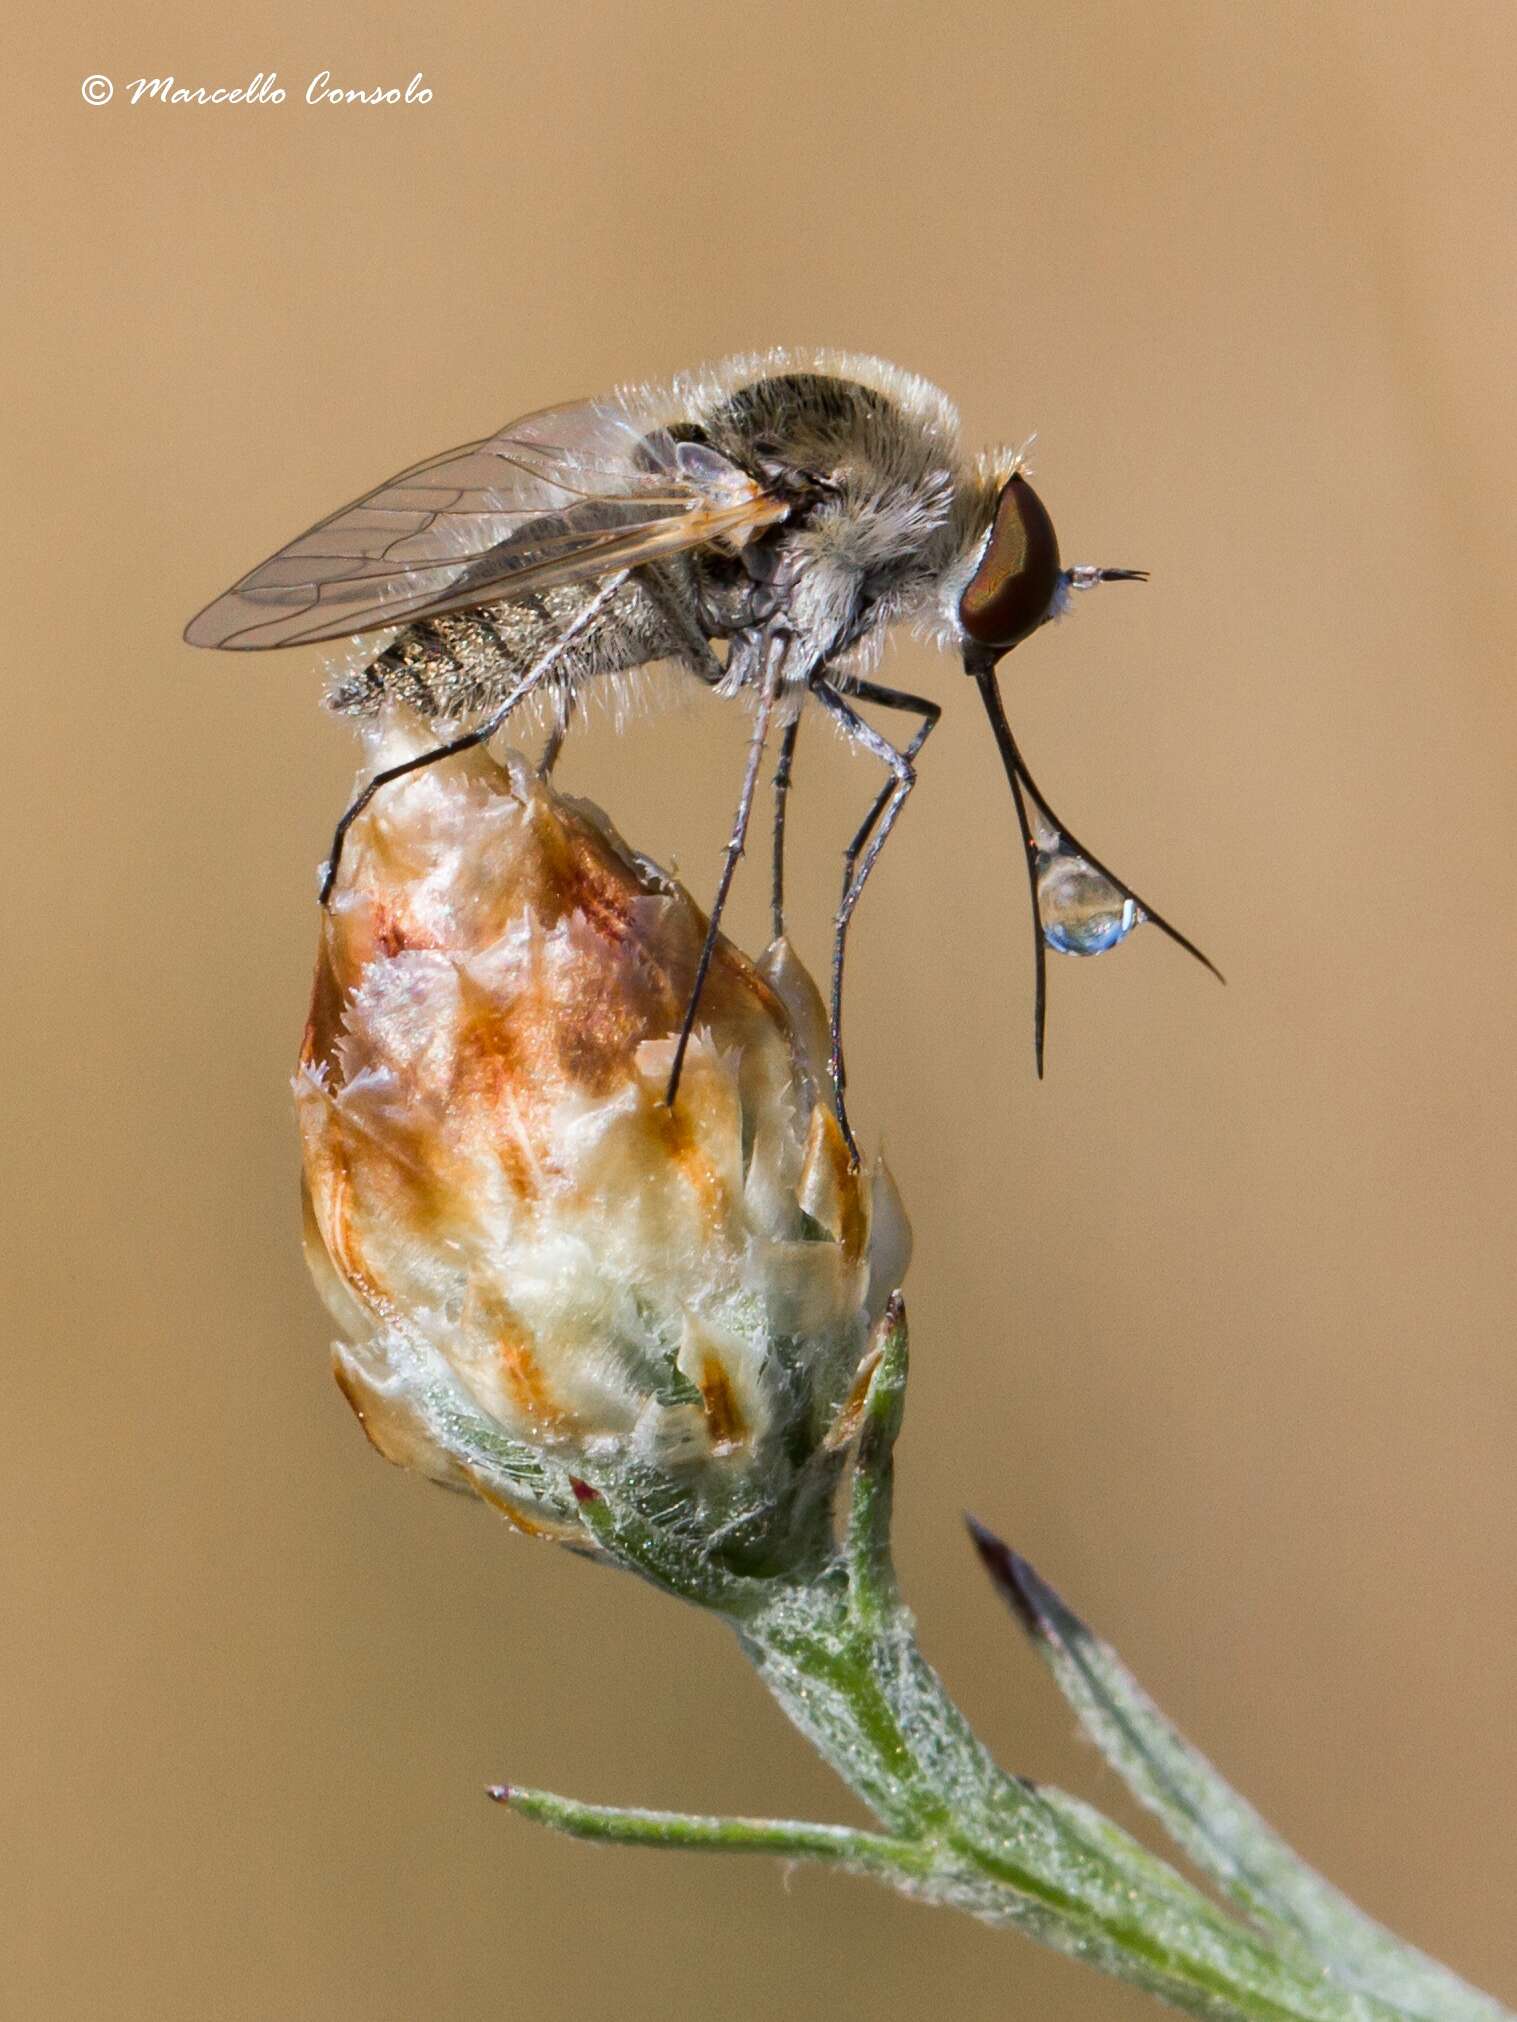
column 529, row 1255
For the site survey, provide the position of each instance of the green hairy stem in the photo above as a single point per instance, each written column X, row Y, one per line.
column 838, row 1650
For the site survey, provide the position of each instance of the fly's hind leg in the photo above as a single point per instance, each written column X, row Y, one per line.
column 873, row 833
column 529, row 683
column 391, row 773
column 563, row 716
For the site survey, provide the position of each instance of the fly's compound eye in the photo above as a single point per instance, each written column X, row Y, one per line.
column 1013, row 589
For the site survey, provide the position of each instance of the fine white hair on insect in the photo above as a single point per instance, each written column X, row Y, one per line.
column 347, row 660
column 919, row 400
column 655, row 688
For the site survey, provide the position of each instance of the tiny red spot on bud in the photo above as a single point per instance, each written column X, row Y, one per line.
column 582, row 1490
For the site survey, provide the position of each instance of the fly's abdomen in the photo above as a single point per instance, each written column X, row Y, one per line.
column 461, row 664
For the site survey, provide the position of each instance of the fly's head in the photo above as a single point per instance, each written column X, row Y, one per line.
column 1010, row 580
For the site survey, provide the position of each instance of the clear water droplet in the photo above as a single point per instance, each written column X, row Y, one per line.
column 1080, row 910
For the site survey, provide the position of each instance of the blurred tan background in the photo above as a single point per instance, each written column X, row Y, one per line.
column 1216, row 1325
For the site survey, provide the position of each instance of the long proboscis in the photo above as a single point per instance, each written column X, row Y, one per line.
column 1024, row 789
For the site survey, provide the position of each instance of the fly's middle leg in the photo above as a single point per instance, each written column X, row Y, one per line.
column 773, row 661
column 783, row 772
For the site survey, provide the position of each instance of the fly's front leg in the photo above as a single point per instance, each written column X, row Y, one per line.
column 863, row 851
column 888, row 698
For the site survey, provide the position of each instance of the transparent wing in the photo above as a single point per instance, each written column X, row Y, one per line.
column 569, row 493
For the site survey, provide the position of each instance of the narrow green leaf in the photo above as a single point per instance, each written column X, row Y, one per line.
column 790, row 1839
column 1221, row 1833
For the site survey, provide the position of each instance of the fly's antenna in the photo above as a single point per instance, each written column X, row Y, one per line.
column 1086, row 575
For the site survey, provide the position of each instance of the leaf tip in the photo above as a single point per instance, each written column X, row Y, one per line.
column 1014, row 1580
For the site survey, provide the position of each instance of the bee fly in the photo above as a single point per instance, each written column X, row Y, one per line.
column 787, row 509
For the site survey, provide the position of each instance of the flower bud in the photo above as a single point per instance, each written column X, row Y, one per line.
column 542, row 1273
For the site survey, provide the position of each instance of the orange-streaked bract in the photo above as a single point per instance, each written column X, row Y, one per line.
column 512, row 1228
